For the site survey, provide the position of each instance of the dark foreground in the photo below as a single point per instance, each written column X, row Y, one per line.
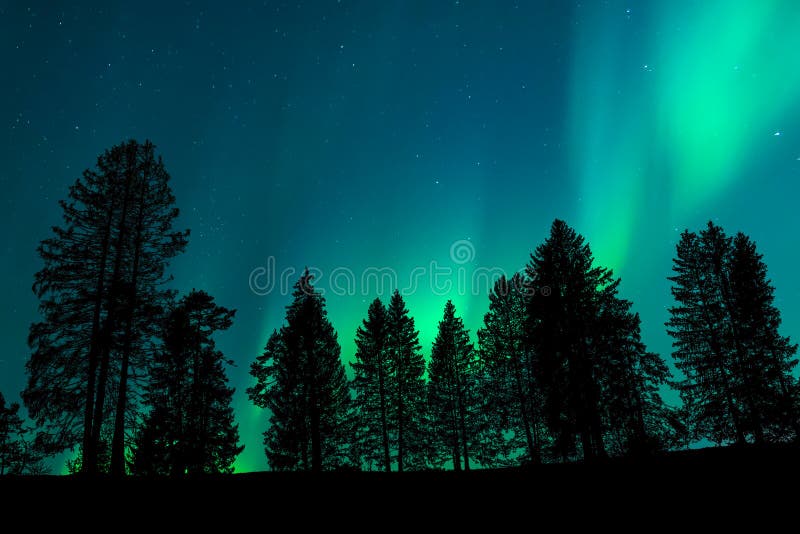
column 676, row 481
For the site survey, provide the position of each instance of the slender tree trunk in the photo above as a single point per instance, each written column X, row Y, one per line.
column 531, row 388
column 302, row 419
column 400, row 416
column 387, row 462
column 454, row 429
column 316, row 446
column 462, row 421
column 523, row 408
column 118, row 441
column 89, row 459
column 105, row 362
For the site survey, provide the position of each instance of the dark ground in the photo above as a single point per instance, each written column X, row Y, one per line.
column 718, row 483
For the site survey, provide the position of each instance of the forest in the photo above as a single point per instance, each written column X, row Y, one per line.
column 124, row 372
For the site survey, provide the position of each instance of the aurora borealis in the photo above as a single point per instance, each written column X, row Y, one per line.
column 362, row 135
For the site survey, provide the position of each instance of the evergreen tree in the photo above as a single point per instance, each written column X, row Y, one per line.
column 19, row 452
column 301, row 380
column 563, row 303
column 634, row 415
column 101, row 292
column 596, row 378
column 700, row 351
column 407, row 368
column 371, row 384
column 509, row 365
column 11, row 433
column 454, row 404
column 767, row 382
column 737, row 383
column 190, row 427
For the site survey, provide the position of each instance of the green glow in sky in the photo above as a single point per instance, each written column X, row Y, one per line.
column 376, row 134
column 673, row 102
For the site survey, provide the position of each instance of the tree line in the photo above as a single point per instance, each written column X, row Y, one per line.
column 126, row 371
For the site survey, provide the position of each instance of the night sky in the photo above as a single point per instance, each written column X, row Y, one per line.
column 359, row 135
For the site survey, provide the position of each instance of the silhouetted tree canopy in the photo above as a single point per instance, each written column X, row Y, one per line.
column 454, row 402
column 596, row 378
column 407, row 365
column 101, row 296
column 510, row 369
column 738, row 384
column 189, row 428
column 20, row 452
column 301, row 380
column 372, row 383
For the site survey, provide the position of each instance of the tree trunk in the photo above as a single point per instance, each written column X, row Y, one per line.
column 462, row 422
column 107, row 337
column 400, row 416
column 118, row 442
column 316, row 446
column 387, row 462
column 89, row 458
column 523, row 408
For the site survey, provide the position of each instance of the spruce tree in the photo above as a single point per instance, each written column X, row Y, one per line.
column 454, row 405
column 768, row 359
column 699, row 349
column 630, row 378
column 301, row 380
column 190, row 427
column 737, row 384
column 596, row 378
column 509, row 367
column 371, row 384
column 407, row 369
column 563, row 302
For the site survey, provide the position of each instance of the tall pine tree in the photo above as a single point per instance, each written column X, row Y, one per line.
column 101, row 292
column 190, row 427
column 301, row 380
column 768, row 359
column 635, row 419
column 596, row 378
column 371, row 384
column 737, row 384
column 509, row 364
column 407, row 368
column 563, row 303
column 454, row 404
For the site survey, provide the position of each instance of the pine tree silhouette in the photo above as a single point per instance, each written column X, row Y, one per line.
column 768, row 359
column 454, row 403
column 301, row 380
column 20, row 451
column 737, row 383
column 100, row 294
column 596, row 377
column 407, row 368
column 190, row 427
column 509, row 363
column 371, row 384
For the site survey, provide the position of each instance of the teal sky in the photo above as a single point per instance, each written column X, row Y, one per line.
column 365, row 135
